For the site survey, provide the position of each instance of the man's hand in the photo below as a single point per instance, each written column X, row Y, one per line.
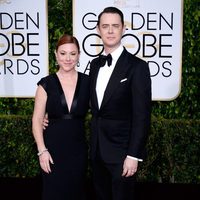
column 45, row 121
column 130, row 167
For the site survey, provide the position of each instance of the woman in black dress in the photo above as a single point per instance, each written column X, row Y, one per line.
column 62, row 148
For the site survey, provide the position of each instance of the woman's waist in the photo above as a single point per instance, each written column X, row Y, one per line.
column 65, row 116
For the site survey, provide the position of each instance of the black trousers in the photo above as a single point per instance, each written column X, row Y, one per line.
column 109, row 183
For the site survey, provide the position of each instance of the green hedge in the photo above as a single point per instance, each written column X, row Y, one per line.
column 173, row 150
column 17, row 148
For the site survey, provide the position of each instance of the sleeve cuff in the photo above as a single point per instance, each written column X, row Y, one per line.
column 134, row 158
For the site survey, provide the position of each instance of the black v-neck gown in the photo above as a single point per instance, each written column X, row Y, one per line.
column 65, row 139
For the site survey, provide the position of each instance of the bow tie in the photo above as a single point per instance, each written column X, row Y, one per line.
column 107, row 58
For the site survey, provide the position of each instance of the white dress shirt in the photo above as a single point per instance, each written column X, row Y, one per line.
column 103, row 78
column 105, row 73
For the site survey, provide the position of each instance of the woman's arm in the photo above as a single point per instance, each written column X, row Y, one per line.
column 38, row 116
column 37, row 129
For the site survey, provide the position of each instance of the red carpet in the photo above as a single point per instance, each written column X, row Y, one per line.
column 30, row 189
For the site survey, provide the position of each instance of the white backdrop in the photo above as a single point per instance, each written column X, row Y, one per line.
column 23, row 46
column 154, row 33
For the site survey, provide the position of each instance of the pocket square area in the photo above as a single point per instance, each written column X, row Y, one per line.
column 125, row 79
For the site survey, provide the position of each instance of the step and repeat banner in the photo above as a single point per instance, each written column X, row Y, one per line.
column 23, row 46
column 154, row 31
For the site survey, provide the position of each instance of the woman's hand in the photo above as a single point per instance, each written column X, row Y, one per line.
column 45, row 160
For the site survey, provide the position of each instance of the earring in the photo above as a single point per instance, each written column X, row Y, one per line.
column 56, row 64
column 78, row 64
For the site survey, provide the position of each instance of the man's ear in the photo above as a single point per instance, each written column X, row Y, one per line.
column 124, row 29
column 97, row 28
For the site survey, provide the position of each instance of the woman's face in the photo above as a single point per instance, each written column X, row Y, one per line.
column 67, row 56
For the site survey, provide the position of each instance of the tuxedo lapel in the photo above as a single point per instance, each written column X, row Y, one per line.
column 93, row 84
column 117, row 75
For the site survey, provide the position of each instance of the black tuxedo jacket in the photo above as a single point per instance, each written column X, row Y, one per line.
column 120, row 126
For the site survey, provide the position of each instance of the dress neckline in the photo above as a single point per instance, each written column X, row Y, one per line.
column 66, row 109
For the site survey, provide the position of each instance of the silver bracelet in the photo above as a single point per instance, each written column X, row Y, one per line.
column 41, row 152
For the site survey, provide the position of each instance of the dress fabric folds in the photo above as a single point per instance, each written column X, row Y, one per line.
column 65, row 139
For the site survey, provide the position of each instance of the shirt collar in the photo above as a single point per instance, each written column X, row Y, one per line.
column 116, row 53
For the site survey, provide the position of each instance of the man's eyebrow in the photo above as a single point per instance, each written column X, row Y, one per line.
column 110, row 24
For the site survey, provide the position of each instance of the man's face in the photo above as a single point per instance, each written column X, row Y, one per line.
column 111, row 30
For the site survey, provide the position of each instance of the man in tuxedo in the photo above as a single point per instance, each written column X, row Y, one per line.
column 121, row 109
